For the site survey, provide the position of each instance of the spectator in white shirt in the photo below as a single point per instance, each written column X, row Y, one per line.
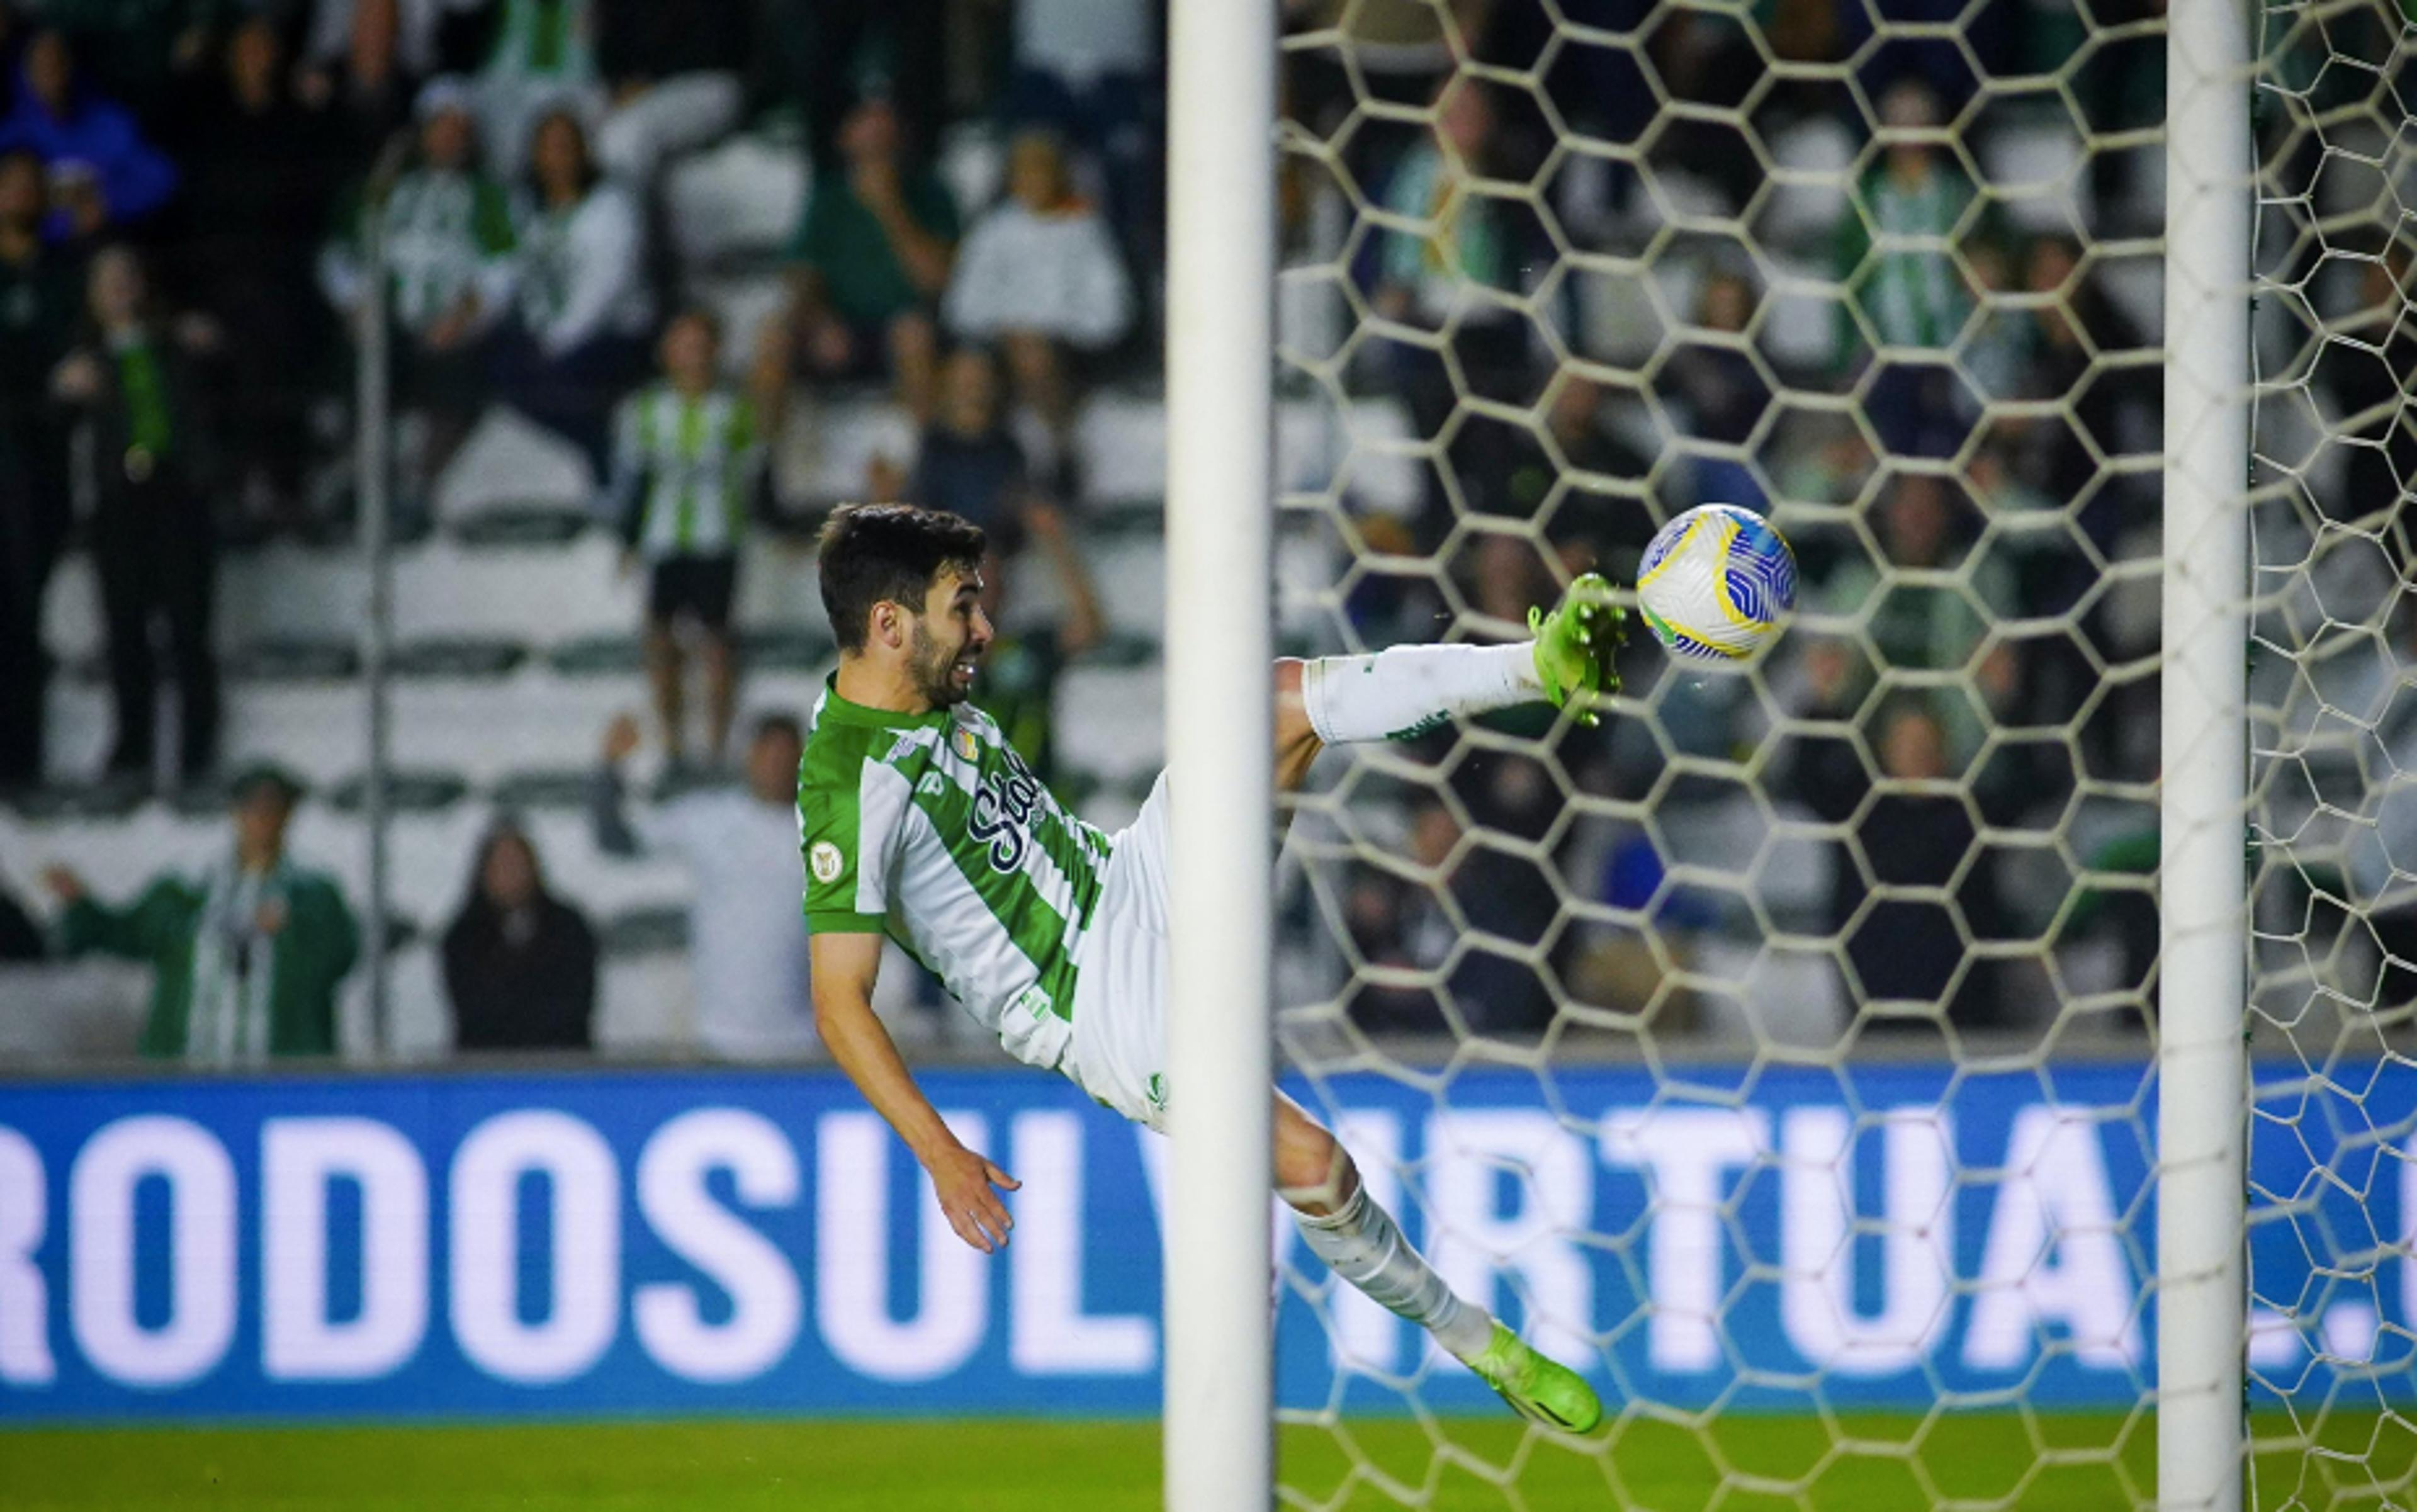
column 1090, row 69
column 583, row 305
column 747, row 941
column 1039, row 277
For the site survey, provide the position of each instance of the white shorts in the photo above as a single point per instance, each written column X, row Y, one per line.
column 1118, row 1054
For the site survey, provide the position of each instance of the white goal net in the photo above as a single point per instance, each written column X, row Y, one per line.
column 1782, row 1052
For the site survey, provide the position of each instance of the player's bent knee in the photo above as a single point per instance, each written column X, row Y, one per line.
column 1293, row 728
column 1314, row 1172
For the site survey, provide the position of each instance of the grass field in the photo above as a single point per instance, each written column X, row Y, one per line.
column 992, row 1466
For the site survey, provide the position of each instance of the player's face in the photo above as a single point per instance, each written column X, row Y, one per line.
column 950, row 635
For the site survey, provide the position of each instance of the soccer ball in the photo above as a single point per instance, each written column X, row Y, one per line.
column 1716, row 582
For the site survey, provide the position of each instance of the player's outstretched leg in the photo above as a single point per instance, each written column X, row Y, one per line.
column 1409, row 690
column 1361, row 1243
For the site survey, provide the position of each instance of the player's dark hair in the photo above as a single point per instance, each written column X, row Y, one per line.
column 888, row 553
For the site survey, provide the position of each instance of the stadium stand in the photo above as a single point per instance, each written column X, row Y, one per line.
column 516, row 637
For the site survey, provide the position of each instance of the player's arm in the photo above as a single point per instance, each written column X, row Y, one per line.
column 844, row 969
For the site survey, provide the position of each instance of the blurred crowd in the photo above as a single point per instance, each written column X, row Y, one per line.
column 188, row 194
column 193, row 194
column 1966, row 465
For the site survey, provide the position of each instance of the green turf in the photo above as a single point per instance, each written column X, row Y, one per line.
column 1866, row 1463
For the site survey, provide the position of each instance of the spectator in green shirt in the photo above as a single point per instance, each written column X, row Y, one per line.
column 449, row 247
column 246, row 958
column 867, row 267
column 1905, row 292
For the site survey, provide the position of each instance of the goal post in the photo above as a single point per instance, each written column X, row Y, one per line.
column 2202, row 1306
column 1988, row 1009
column 1220, row 1426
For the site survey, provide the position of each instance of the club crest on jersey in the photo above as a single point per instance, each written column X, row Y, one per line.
column 966, row 743
column 826, row 861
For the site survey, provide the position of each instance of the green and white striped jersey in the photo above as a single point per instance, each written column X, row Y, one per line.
column 931, row 829
column 688, row 468
column 447, row 234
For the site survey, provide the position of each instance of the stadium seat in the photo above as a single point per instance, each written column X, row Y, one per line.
column 1800, row 326
column 646, row 931
column 534, row 523
column 292, row 659
column 457, row 656
column 1808, row 197
column 568, row 787
column 734, row 203
column 2032, row 167
column 509, row 462
column 406, row 792
column 1109, row 720
column 1121, row 440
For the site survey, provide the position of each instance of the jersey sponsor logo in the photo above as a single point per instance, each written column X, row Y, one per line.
column 826, row 861
column 1001, row 816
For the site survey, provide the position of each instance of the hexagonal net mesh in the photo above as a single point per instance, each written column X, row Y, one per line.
column 1778, row 1051
column 2332, row 1195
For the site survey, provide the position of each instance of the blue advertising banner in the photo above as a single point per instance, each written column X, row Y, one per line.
column 618, row 1243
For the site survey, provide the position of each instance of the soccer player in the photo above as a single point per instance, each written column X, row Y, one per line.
column 919, row 822
column 688, row 474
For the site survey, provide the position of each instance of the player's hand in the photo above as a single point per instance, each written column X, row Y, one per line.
column 620, row 739
column 964, row 1179
column 63, row 884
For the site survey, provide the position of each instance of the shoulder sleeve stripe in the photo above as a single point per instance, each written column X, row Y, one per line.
column 848, row 808
column 841, row 921
column 882, row 793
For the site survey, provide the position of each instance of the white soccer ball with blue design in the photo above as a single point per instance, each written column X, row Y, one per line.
column 1717, row 583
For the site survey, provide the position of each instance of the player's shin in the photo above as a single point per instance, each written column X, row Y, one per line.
column 1361, row 1243
column 1410, row 689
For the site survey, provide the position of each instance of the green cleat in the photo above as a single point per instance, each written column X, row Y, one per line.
column 1538, row 1388
column 1576, row 643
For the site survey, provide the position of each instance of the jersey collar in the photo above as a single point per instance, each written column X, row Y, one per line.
column 840, row 711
